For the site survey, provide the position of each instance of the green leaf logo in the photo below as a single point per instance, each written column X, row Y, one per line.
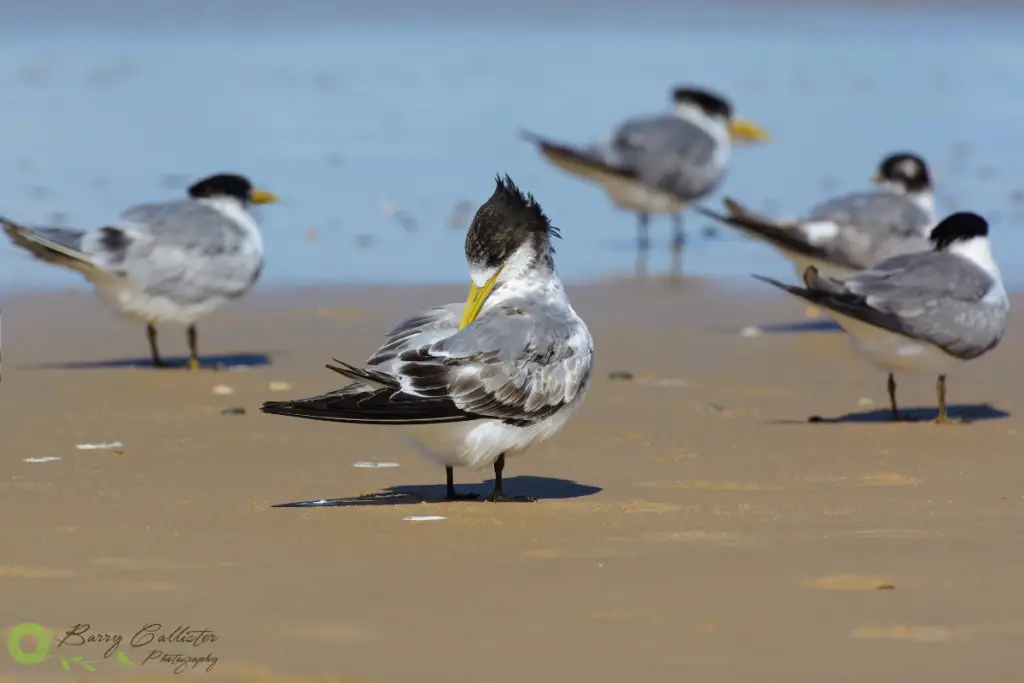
column 66, row 665
column 35, row 631
column 123, row 659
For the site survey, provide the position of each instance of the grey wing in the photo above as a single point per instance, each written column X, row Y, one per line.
column 183, row 250
column 668, row 153
column 423, row 329
column 873, row 226
column 936, row 297
column 520, row 362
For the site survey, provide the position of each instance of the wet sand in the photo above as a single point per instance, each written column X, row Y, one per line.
column 692, row 524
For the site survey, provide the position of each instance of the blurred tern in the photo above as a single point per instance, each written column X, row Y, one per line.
column 922, row 312
column 659, row 164
column 172, row 262
column 849, row 233
column 475, row 383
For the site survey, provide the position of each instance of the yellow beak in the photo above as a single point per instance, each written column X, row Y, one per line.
column 747, row 131
column 877, row 178
column 262, row 197
column 475, row 300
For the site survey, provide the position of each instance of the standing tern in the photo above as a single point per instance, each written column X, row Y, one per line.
column 921, row 312
column 171, row 262
column 659, row 164
column 849, row 233
column 475, row 383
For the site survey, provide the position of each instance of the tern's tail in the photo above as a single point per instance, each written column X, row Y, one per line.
column 53, row 245
column 587, row 162
column 762, row 227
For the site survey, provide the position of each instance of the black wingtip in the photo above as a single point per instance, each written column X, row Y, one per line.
column 275, row 407
column 11, row 226
column 529, row 136
column 771, row 281
column 709, row 213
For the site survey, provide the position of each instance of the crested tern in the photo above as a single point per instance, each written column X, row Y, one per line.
column 477, row 382
column 854, row 231
column 171, row 262
column 659, row 164
column 920, row 312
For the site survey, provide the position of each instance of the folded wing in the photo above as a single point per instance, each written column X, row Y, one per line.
column 518, row 363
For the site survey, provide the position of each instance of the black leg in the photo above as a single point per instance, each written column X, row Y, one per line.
column 940, row 390
column 498, row 496
column 452, row 495
column 896, row 415
column 892, row 397
column 153, row 350
column 643, row 243
column 193, row 355
column 678, row 240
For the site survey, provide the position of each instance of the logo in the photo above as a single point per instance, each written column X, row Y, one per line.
column 31, row 644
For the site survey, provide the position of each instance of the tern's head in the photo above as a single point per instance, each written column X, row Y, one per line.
column 230, row 186
column 705, row 107
column 966, row 235
column 959, row 229
column 509, row 238
column 904, row 172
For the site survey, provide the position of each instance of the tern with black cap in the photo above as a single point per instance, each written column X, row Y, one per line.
column 171, row 262
column 854, row 231
column 925, row 312
column 659, row 164
column 477, row 382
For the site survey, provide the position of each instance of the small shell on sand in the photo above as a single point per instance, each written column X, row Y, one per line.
column 99, row 446
column 751, row 331
column 223, row 390
column 280, row 386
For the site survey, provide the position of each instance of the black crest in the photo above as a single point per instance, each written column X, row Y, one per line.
column 506, row 221
column 907, row 169
column 958, row 227
column 222, row 185
column 709, row 102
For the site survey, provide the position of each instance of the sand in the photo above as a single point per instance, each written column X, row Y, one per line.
column 692, row 524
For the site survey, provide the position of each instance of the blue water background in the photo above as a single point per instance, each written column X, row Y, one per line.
column 372, row 132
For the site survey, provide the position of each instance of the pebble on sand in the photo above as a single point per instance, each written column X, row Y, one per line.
column 751, row 331
column 223, row 390
column 280, row 386
column 620, row 374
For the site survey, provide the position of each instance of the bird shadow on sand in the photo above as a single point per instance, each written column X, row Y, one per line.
column 541, row 488
column 221, row 362
column 966, row 412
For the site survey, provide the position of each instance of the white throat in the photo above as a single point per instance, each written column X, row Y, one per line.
column 924, row 199
column 977, row 250
column 235, row 211
column 715, row 126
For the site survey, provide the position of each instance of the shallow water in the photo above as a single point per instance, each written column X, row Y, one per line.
column 342, row 121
